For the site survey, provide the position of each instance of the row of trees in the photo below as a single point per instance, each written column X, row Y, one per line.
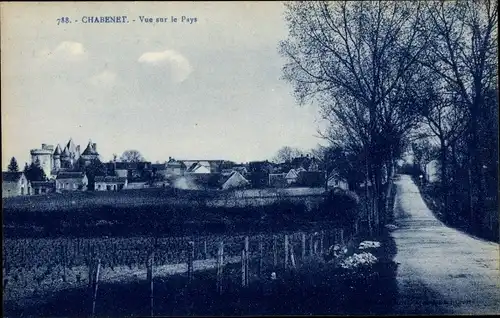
column 33, row 171
column 387, row 74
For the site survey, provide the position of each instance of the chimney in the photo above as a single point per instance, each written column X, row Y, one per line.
column 94, row 145
column 44, row 146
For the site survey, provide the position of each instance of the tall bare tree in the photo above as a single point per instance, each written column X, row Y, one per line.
column 357, row 60
column 287, row 153
column 131, row 156
column 463, row 52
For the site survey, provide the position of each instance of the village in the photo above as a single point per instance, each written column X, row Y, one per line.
column 64, row 169
column 322, row 158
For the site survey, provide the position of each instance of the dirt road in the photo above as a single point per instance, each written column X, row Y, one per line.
column 441, row 270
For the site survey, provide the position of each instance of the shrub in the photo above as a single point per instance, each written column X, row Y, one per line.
column 340, row 207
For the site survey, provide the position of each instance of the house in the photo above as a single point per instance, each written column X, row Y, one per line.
column 241, row 169
column 292, row 176
column 15, row 184
column 71, row 181
column 138, row 171
column 124, row 169
column 277, row 180
column 261, row 166
column 110, row 183
column 227, row 172
column 335, row 181
column 432, row 171
column 199, row 167
column 213, row 166
column 234, row 181
column 159, row 170
column 174, row 167
column 311, row 179
column 305, row 162
column 43, row 187
column 161, row 184
column 258, row 173
column 136, row 185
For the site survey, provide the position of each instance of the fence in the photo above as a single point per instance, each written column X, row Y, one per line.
column 68, row 260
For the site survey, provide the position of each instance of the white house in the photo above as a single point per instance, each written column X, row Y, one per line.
column 432, row 171
column 291, row 176
column 110, row 183
column 335, row 181
column 14, row 184
column 236, row 180
column 71, row 181
column 199, row 168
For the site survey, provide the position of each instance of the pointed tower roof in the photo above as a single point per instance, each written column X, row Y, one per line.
column 65, row 152
column 89, row 150
column 57, row 152
column 71, row 146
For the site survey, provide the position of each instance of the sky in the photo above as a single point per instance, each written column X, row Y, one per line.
column 209, row 89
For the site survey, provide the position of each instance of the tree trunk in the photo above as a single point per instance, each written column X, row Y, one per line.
column 444, row 178
column 367, row 200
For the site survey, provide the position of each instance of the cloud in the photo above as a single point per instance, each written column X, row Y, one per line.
column 105, row 78
column 66, row 50
column 178, row 64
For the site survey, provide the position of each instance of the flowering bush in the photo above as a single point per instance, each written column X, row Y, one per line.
column 358, row 260
column 334, row 252
column 391, row 227
column 368, row 244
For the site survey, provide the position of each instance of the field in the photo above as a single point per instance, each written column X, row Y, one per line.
column 37, row 268
column 151, row 196
column 162, row 212
column 53, row 243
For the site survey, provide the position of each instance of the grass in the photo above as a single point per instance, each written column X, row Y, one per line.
column 161, row 212
column 433, row 198
column 314, row 288
column 141, row 197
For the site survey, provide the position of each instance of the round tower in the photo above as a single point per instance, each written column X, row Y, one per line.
column 57, row 159
column 44, row 157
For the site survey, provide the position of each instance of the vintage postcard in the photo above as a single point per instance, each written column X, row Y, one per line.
column 249, row 158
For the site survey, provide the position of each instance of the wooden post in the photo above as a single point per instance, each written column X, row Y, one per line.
column 150, row 279
column 243, row 268
column 311, row 241
column 190, row 260
column 321, row 242
column 315, row 236
column 292, row 257
column 261, row 256
column 65, row 262
column 275, row 251
column 342, row 236
column 286, row 251
column 220, row 264
column 246, row 261
column 205, row 254
column 90, row 264
column 96, row 284
column 303, row 246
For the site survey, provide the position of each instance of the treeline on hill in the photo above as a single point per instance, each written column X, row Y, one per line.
column 337, row 209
